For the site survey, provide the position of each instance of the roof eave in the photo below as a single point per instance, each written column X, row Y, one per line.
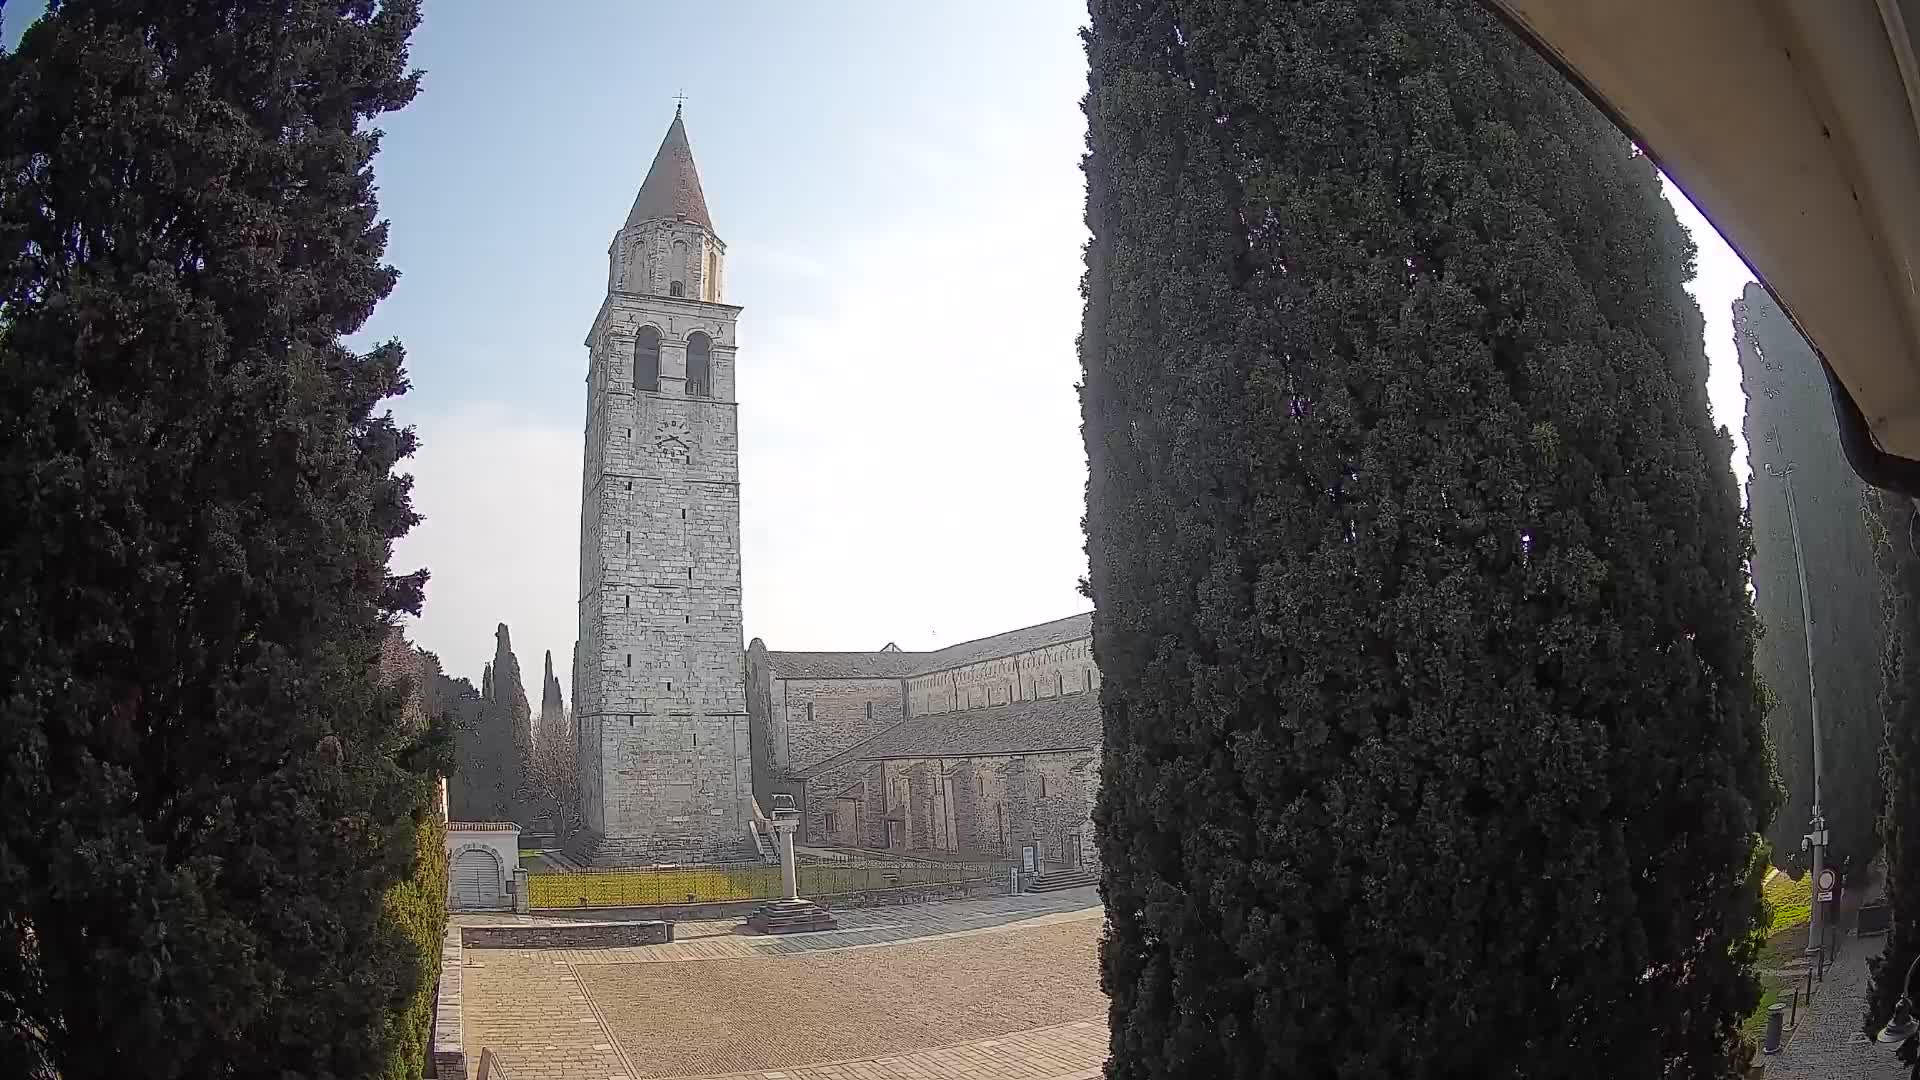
column 1794, row 126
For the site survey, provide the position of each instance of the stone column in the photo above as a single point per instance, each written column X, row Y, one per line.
column 789, row 873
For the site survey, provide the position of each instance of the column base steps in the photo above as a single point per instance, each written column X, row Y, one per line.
column 1055, row 880
column 791, row 917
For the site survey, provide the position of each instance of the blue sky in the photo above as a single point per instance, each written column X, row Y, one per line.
column 899, row 189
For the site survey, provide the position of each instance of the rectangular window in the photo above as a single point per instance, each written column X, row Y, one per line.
column 983, row 786
column 629, row 659
column 809, row 712
column 1089, row 678
column 832, row 824
column 626, row 601
column 1043, row 785
column 869, row 712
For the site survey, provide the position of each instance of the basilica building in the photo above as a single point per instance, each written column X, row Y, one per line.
column 987, row 748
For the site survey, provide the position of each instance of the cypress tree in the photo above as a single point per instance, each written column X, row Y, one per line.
column 1433, row 746
column 553, row 782
column 512, row 721
column 1790, row 422
column 1898, row 547
column 471, row 784
column 208, row 790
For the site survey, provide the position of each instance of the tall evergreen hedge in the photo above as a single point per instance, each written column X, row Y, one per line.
column 1898, row 548
column 1790, row 421
column 208, row 795
column 1433, row 746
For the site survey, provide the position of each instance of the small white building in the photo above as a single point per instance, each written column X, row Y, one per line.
column 481, row 859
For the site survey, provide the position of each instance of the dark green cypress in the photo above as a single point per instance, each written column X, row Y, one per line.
column 1790, row 422
column 1433, row 743
column 208, row 791
column 1898, row 548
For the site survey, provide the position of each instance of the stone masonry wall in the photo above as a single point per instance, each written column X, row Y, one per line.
column 989, row 805
column 814, row 719
column 642, row 260
column 567, row 935
column 873, row 812
column 666, row 764
column 760, row 722
column 1028, row 676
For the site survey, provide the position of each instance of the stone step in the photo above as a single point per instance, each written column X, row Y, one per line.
column 791, row 917
column 1056, row 880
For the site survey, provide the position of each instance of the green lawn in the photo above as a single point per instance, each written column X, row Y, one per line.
column 1772, row 988
column 1792, row 901
column 1790, row 905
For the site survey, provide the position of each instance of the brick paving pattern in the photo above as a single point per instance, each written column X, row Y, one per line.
column 532, row 1013
column 1005, row 989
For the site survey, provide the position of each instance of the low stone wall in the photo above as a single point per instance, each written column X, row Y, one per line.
column 449, row 1030
column 570, row 935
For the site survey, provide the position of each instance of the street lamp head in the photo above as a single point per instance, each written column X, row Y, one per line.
column 1902, row 1026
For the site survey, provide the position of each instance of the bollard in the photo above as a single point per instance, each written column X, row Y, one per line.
column 1776, row 1020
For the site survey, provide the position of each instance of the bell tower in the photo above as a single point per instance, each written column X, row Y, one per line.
column 660, row 679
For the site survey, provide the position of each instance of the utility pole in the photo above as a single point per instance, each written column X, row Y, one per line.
column 1815, row 842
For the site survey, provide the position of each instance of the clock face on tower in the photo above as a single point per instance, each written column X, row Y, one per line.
column 673, row 440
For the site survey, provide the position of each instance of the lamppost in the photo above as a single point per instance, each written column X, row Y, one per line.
column 1815, row 842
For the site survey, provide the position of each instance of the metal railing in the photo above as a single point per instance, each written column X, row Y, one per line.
column 819, row 880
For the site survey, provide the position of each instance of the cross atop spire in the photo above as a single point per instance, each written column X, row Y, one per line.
column 672, row 188
column 679, row 99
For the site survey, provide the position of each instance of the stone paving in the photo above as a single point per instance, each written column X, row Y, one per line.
column 1828, row 1044
column 1005, row 989
column 1066, row 1052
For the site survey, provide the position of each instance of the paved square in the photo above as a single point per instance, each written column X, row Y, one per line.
column 736, row 1015
column 1005, row 989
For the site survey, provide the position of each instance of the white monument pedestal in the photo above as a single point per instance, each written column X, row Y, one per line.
column 790, row 914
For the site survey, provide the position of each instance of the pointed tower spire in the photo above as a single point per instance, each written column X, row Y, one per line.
column 672, row 188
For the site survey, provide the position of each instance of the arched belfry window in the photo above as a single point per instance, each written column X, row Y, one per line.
column 646, row 360
column 699, row 365
column 677, row 270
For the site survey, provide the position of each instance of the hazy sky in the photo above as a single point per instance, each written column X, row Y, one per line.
column 899, row 189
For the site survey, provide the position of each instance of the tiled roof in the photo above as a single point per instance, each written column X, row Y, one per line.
column 672, row 186
column 894, row 664
column 842, row 665
column 1068, row 722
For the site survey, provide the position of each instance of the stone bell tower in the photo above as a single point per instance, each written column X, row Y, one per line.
column 660, row 680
